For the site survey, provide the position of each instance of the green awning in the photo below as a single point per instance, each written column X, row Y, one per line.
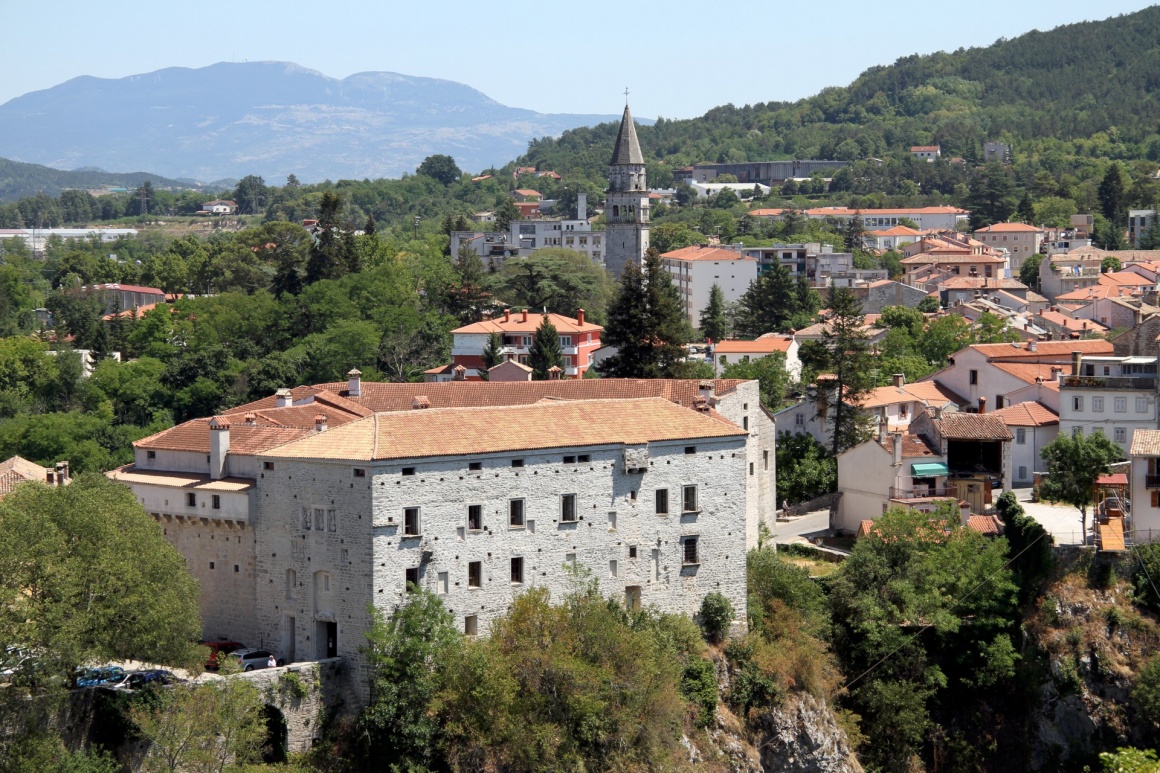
column 928, row 470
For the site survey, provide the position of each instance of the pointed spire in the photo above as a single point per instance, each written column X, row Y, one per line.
column 627, row 149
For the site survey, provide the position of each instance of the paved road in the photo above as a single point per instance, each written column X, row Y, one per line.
column 804, row 526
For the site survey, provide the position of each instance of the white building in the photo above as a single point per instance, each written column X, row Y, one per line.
column 1033, row 425
column 524, row 237
column 696, row 269
column 298, row 512
column 1139, row 222
column 1112, row 396
column 743, row 190
column 927, row 153
column 1145, row 484
column 36, row 239
column 730, row 352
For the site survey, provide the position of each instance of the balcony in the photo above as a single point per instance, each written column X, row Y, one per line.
column 1152, row 481
column 1139, row 384
column 921, row 491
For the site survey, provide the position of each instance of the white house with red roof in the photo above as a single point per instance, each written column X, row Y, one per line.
column 1033, row 425
column 579, row 340
column 927, row 153
column 694, row 270
column 732, row 351
column 1019, row 239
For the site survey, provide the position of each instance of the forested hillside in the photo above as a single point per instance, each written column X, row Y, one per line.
column 19, row 180
column 1082, row 90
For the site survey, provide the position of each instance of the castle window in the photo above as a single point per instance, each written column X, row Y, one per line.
column 291, row 584
column 413, row 579
column 474, row 517
column 470, row 625
column 690, row 551
column 516, row 513
column 267, row 465
column 150, row 454
column 662, row 501
column 359, row 472
column 568, row 508
column 517, row 571
column 331, row 521
column 475, row 574
column 216, row 502
column 473, row 466
column 408, row 470
column 517, row 462
column 690, row 499
column 410, row 521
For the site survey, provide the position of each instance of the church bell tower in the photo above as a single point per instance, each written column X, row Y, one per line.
column 626, row 201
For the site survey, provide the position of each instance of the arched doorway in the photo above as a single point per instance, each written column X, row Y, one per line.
column 277, row 735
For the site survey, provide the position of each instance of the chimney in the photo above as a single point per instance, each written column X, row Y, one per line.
column 320, row 423
column 251, row 419
column 283, row 398
column 899, row 380
column 1076, row 363
column 354, row 383
column 50, row 479
column 707, row 389
column 62, row 472
column 581, row 206
column 1056, row 372
column 1033, row 345
column 982, row 405
column 507, row 315
column 883, row 427
column 554, row 373
column 459, row 373
column 524, row 318
column 219, row 446
column 897, row 448
column 579, row 316
column 420, row 402
column 700, row 404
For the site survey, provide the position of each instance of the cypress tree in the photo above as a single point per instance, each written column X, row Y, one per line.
column 713, row 324
column 491, row 355
column 545, row 352
column 327, row 255
column 850, row 361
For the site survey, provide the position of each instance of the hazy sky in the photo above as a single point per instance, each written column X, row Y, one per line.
column 677, row 57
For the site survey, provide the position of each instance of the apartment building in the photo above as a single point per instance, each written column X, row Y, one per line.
column 694, row 271
column 1019, row 239
column 579, row 340
column 1110, row 396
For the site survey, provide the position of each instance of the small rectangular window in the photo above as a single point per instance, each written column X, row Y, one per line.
column 475, row 574
column 690, row 499
column 211, row 564
column 690, row 550
column 568, row 507
column 1098, row 404
column 442, row 583
column 1141, row 405
column 413, row 580
column 267, row 465
column 359, row 472
column 583, row 458
column 216, row 502
column 1077, row 403
column 474, row 517
column 745, row 423
column 569, row 460
column 191, row 500
column 473, row 466
column 632, row 551
column 765, row 460
column 690, row 449
column 751, row 468
column 1121, row 405
column 517, row 571
column 410, row 522
column 150, row 454
column 1120, row 434
column 408, row 470
column 612, row 568
column 471, row 625
column 974, row 377
column 517, row 462
column 662, row 501
column 1020, row 436
column 516, row 513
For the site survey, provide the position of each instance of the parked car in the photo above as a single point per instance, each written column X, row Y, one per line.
column 221, row 646
column 95, row 677
column 255, row 659
column 139, row 679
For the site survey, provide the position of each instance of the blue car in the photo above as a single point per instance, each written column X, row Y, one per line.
column 95, row 677
column 155, row 677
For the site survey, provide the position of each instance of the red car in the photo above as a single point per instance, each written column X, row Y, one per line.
column 221, row 647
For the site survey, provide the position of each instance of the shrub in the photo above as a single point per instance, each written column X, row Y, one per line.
column 716, row 616
column 699, row 686
column 1146, row 691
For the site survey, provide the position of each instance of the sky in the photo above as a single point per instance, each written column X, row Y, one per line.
column 678, row 58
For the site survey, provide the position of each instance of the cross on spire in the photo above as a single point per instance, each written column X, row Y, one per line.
column 626, row 96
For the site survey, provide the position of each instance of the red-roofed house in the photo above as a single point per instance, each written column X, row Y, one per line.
column 732, row 351
column 927, row 153
column 122, row 297
column 579, row 340
column 1019, row 239
column 1034, row 425
column 696, row 269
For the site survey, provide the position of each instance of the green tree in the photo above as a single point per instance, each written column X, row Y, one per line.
column 667, row 237
column 1025, row 211
column 1073, row 465
column 327, row 255
column 768, row 305
column 251, row 195
column 991, row 197
column 992, row 329
column 854, row 233
column 714, row 326
column 1029, row 271
column 805, row 468
column 1110, row 264
column 769, row 372
column 850, row 362
column 1112, row 196
column 545, row 352
column 559, row 280
column 404, row 653
column 928, row 305
column 505, row 213
column 441, row 168
column 491, row 353
column 944, row 336
column 646, row 323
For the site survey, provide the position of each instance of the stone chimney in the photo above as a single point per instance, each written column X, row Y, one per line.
column 1033, row 345
column 700, row 404
column 251, row 419
column 320, row 423
column 883, row 427
column 899, row 380
column 524, row 318
column 1056, row 372
column 579, row 316
column 283, row 398
column 62, row 476
column 354, row 383
column 707, row 389
column 507, row 315
column 897, row 448
column 219, row 446
column 459, row 373
column 982, row 405
column 420, row 402
column 553, row 372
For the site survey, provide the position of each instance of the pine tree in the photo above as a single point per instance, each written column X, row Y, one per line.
column 545, row 352
column 768, row 305
column 117, row 327
column 713, row 323
column 1113, row 200
column 327, row 258
column 371, row 227
column 491, row 354
column 854, row 234
column 1026, row 209
column 646, row 323
column 851, row 363
column 505, row 214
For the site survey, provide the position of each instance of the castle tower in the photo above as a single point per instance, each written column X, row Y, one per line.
column 626, row 202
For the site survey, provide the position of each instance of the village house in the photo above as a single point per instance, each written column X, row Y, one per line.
column 218, row 207
column 892, row 238
column 17, row 470
column 1019, row 239
column 1033, row 426
column 297, row 512
column 1110, row 396
column 694, row 270
column 952, row 253
column 729, row 352
column 123, row 297
column 1145, row 485
column 927, row 153
column 579, row 340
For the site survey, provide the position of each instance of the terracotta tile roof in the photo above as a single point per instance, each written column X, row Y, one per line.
column 766, row 212
column 130, row 474
column 516, row 324
column 987, row 525
column 1009, row 228
column 952, row 256
column 1019, row 350
column 697, row 252
column 844, row 211
column 928, row 392
column 898, row 230
column 1071, row 323
column 244, row 440
column 980, row 283
column 527, row 192
column 17, row 470
column 547, row 424
column 1113, row 479
column 924, row 148
column 382, row 396
column 972, row 426
column 1146, row 442
column 913, row 446
column 1126, row 278
column 1099, row 292
column 770, row 342
column 1027, row 415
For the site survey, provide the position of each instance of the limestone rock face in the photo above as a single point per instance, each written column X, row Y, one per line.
column 803, row 736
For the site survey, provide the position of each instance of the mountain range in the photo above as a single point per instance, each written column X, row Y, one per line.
column 271, row 119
